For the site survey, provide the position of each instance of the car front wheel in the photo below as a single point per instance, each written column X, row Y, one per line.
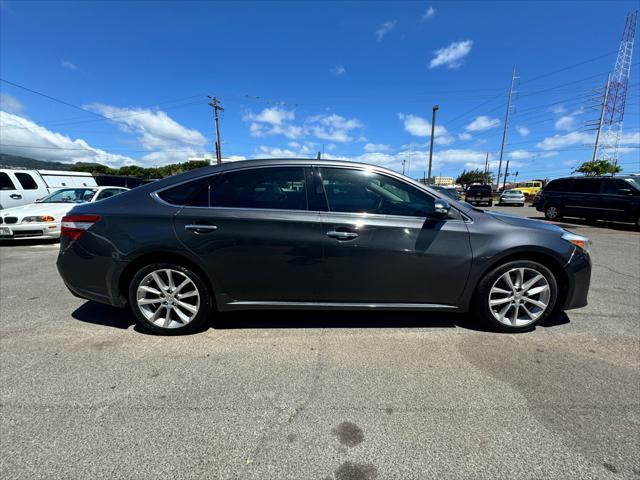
column 169, row 299
column 516, row 296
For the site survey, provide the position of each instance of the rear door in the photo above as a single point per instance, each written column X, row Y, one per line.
column 584, row 199
column 256, row 235
column 381, row 248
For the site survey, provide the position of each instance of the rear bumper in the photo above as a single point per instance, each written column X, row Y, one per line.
column 579, row 271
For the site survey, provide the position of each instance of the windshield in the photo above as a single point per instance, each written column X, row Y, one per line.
column 70, row 195
column 634, row 181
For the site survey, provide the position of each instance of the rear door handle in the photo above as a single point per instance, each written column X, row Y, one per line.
column 342, row 235
column 200, row 228
column 15, row 196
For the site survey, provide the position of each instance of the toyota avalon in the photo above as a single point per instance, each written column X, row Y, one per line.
column 314, row 234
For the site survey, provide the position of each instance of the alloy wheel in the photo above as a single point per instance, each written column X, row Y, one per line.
column 552, row 212
column 519, row 297
column 168, row 298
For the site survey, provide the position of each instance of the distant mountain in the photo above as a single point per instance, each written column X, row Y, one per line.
column 14, row 161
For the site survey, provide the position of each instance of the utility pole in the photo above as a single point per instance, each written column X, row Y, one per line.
column 506, row 124
column 215, row 104
column 433, row 129
column 601, row 121
column 506, row 174
column 486, row 164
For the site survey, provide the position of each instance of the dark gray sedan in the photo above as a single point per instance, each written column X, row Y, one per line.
column 314, row 234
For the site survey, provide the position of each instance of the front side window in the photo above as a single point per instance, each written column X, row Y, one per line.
column 363, row 191
column 70, row 195
column 281, row 188
column 27, row 181
column 5, row 182
column 617, row 187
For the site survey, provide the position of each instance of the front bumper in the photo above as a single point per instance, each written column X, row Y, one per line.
column 31, row 231
column 579, row 270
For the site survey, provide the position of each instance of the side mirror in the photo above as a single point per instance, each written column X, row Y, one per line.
column 440, row 209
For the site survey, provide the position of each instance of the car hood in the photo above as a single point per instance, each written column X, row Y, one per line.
column 524, row 222
column 56, row 210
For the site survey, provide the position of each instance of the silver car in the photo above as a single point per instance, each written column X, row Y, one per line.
column 512, row 197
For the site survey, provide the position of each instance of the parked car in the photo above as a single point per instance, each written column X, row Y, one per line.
column 604, row 198
column 512, row 197
column 319, row 234
column 449, row 192
column 41, row 220
column 479, row 194
column 22, row 187
column 530, row 187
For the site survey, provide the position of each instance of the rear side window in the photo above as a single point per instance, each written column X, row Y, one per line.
column 193, row 194
column 27, row 181
column 586, row 185
column 5, row 182
column 561, row 185
column 281, row 188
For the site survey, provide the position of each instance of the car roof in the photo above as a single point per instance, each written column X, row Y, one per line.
column 593, row 177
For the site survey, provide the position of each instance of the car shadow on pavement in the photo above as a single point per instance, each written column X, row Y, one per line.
column 99, row 314
column 27, row 243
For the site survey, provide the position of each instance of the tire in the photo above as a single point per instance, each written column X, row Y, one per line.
column 514, row 317
column 184, row 309
column 552, row 212
column 490, row 203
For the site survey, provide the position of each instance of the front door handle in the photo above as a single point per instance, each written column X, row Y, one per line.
column 15, row 196
column 342, row 235
column 200, row 228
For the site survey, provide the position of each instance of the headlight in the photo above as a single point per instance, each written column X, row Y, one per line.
column 578, row 240
column 41, row 218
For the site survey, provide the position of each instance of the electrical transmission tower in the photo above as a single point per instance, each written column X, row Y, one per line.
column 617, row 97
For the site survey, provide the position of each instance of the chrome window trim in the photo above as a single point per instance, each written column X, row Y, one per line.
column 156, row 197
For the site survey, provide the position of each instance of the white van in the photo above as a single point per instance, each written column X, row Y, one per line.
column 21, row 187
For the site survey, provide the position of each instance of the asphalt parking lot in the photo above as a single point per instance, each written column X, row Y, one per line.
column 312, row 395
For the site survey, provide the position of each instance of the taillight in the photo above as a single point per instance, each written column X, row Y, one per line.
column 74, row 226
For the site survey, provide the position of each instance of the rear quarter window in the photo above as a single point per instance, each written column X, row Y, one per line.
column 5, row 182
column 194, row 193
column 561, row 185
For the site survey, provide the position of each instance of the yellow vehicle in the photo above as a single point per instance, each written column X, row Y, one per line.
column 531, row 187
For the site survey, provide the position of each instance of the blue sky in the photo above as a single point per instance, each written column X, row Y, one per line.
column 359, row 78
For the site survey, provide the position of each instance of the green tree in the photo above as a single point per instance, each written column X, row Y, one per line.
column 598, row 167
column 466, row 178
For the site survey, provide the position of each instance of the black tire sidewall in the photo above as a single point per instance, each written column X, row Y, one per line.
column 481, row 304
column 205, row 300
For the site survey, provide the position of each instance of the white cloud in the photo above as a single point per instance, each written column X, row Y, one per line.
column 558, row 109
column 566, row 122
column 420, row 127
column 275, row 121
column 338, row 70
column 482, row 123
column 520, row 155
column 68, row 65
column 376, row 147
column 430, row 13
column 465, row 136
column 154, row 128
column 566, row 140
column 295, row 150
column 522, row 130
column 20, row 136
column 10, row 104
column 452, row 55
column 385, row 28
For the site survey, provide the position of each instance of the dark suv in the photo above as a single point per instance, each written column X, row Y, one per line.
column 604, row 198
column 479, row 194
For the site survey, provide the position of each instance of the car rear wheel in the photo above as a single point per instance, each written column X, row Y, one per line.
column 169, row 299
column 490, row 203
column 552, row 212
column 516, row 296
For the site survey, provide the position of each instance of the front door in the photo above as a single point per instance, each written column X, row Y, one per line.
column 380, row 247
column 256, row 236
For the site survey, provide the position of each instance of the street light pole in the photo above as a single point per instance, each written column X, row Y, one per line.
column 433, row 129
